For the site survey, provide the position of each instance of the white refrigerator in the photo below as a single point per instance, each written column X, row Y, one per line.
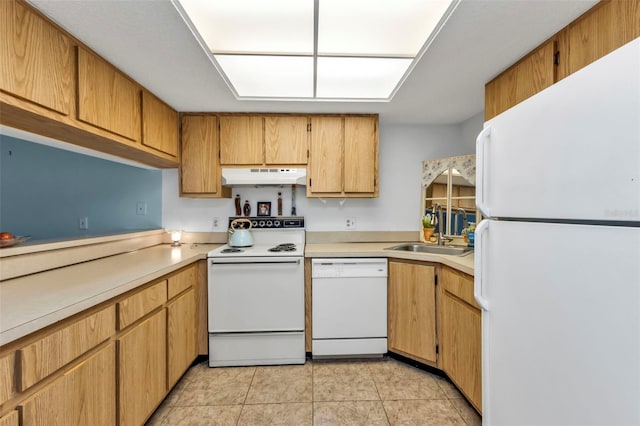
column 557, row 267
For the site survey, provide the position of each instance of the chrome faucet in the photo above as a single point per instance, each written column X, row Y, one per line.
column 437, row 210
column 464, row 219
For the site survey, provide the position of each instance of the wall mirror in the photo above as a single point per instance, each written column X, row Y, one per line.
column 450, row 184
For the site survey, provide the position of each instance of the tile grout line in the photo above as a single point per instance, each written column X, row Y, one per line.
column 386, row 415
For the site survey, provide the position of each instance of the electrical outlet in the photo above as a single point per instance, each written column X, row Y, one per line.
column 350, row 223
column 83, row 222
column 216, row 223
column 141, row 209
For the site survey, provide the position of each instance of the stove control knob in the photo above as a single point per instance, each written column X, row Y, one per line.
column 254, row 223
column 269, row 224
column 261, row 224
column 276, row 224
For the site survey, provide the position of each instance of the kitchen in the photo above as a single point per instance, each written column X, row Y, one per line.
column 330, row 214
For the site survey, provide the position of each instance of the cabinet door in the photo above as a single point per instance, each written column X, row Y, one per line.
column 84, row 395
column 285, row 140
column 37, row 59
column 106, row 98
column 326, row 155
column 7, row 376
column 360, row 154
column 530, row 75
column 241, row 140
column 181, row 335
column 159, row 125
column 10, row 419
column 604, row 28
column 142, row 369
column 199, row 164
column 461, row 335
column 412, row 311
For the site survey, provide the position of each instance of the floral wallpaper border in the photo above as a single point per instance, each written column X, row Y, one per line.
column 465, row 164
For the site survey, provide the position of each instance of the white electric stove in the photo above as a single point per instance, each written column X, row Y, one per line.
column 256, row 296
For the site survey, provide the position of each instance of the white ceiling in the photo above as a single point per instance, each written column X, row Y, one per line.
column 148, row 40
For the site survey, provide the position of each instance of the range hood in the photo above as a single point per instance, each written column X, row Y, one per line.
column 264, row 176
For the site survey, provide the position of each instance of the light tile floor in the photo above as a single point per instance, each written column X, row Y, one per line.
column 380, row 392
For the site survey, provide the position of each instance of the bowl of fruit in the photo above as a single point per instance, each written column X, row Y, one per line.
column 7, row 239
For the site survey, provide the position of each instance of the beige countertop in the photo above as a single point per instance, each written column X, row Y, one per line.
column 461, row 263
column 32, row 302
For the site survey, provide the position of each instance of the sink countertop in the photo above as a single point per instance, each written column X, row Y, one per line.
column 462, row 263
column 35, row 301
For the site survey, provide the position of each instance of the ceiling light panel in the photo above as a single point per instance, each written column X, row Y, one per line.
column 269, row 76
column 377, row 27
column 359, row 78
column 254, row 26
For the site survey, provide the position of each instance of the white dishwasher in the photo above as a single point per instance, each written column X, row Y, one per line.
column 349, row 307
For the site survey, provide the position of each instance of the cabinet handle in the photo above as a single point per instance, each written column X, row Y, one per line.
column 477, row 266
column 484, row 135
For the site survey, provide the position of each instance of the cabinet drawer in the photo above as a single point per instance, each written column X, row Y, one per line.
column 47, row 355
column 140, row 304
column 10, row 419
column 460, row 285
column 7, row 369
column 182, row 280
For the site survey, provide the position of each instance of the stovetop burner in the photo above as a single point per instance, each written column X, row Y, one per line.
column 232, row 250
column 283, row 247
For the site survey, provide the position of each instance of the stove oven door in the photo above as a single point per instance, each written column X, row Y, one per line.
column 264, row 294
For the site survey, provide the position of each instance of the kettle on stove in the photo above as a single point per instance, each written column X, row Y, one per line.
column 239, row 234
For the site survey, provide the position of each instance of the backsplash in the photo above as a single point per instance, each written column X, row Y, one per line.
column 44, row 191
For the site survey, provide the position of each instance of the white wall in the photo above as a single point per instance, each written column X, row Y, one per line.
column 470, row 130
column 402, row 150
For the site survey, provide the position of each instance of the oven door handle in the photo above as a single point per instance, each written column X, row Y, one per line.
column 254, row 261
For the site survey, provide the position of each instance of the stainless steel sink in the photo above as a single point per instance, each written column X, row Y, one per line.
column 427, row 248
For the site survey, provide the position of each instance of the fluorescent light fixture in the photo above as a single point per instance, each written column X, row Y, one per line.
column 359, row 78
column 315, row 49
column 269, row 76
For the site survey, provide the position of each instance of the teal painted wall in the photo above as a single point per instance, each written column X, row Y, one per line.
column 44, row 190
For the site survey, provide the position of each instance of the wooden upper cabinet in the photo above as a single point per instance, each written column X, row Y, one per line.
column 605, row 27
column 360, row 154
column 533, row 73
column 159, row 125
column 286, row 140
column 241, row 140
column 106, row 97
column 343, row 157
column 36, row 58
column 199, row 158
column 326, row 156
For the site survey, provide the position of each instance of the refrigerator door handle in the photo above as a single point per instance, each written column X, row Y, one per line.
column 482, row 136
column 477, row 267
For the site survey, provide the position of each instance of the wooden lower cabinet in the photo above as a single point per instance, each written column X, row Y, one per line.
column 461, row 335
column 412, row 310
column 142, row 363
column 11, row 419
column 84, row 395
column 181, row 335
